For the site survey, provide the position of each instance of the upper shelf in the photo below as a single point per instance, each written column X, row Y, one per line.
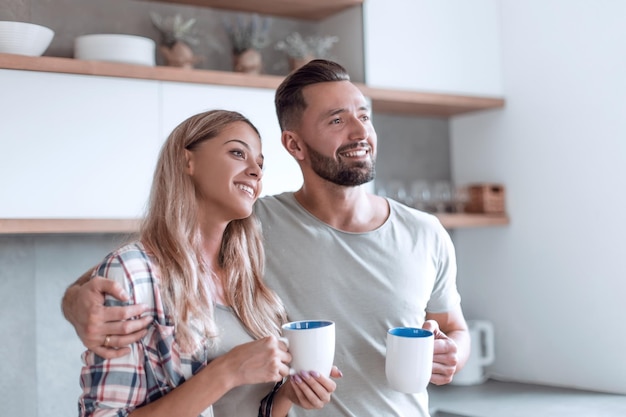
column 383, row 100
column 298, row 9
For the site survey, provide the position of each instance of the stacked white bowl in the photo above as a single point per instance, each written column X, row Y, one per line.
column 24, row 38
column 128, row 49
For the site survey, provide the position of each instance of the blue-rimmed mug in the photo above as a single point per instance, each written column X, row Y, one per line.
column 409, row 359
column 311, row 344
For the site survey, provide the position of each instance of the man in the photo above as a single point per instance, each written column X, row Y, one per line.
column 336, row 252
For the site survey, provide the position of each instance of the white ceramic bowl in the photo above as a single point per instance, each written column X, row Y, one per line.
column 129, row 49
column 24, row 38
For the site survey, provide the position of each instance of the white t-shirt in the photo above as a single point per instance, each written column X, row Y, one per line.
column 366, row 283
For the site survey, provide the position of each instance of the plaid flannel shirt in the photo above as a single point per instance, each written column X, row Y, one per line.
column 155, row 365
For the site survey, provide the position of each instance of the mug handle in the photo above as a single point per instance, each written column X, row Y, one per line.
column 286, row 341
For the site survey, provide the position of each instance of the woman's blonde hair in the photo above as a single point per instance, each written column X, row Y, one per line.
column 170, row 231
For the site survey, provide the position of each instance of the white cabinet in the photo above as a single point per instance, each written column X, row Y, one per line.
column 76, row 146
column 84, row 147
column 443, row 46
column 180, row 100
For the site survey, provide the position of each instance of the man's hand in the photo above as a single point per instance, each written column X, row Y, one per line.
column 445, row 358
column 107, row 331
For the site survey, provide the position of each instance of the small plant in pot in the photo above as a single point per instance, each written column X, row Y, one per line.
column 177, row 35
column 247, row 37
column 301, row 50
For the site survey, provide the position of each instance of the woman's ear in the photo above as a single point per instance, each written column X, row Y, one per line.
column 291, row 142
column 188, row 162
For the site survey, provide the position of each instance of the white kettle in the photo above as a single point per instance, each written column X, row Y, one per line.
column 482, row 354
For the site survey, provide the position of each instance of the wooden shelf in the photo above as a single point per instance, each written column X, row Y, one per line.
column 298, row 9
column 427, row 104
column 465, row 220
column 67, row 226
column 124, row 226
column 383, row 100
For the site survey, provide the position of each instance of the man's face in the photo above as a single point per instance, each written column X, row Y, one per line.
column 338, row 134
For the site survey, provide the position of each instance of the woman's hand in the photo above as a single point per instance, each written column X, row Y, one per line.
column 308, row 390
column 264, row 360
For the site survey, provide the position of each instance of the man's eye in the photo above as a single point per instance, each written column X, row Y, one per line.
column 335, row 121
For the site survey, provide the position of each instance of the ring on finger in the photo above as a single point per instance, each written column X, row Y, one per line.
column 107, row 339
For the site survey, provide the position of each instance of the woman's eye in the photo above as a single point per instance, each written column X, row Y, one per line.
column 238, row 153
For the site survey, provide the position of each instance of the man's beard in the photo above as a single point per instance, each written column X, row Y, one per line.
column 339, row 173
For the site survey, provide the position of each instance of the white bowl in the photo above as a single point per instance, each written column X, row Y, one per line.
column 24, row 38
column 129, row 49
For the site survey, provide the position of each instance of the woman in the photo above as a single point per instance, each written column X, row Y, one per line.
column 198, row 265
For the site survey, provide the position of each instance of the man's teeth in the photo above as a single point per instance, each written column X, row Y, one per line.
column 353, row 154
column 247, row 189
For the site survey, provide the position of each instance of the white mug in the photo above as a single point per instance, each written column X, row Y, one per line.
column 409, row 359
column 311, row 344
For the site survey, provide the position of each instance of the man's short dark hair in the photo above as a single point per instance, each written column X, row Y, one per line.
column 289, row 100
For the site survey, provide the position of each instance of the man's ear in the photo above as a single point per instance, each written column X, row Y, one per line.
column 291, row 142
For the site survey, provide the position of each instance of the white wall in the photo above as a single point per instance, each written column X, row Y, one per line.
column 554, row 281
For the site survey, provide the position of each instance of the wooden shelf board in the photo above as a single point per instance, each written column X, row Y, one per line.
column 298, row 9
column 86, row 226
column 114, row 69
column 466, row 220
column 67, row 226
column 383, row 100
column 432, row 104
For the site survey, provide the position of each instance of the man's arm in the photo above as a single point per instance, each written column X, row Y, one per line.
column 452, row 344
column 83, row 306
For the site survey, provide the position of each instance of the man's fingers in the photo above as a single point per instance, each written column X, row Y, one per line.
column 126, row 327
column 120, row 334
column 124, row 312
column 118, row 342
column 110, row 353
column 432, row 326
column 109, row 286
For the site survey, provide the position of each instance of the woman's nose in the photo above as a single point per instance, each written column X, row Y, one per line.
column 255, row 171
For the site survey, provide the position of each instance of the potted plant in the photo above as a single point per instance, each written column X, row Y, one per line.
column 247, row 37
column 177, row 35
column 301, row 50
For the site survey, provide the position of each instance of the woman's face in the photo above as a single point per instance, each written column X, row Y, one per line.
column 226, row 171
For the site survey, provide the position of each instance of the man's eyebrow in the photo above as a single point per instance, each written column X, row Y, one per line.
column 333, row 112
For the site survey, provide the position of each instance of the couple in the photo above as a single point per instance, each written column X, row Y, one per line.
column 332, row 251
